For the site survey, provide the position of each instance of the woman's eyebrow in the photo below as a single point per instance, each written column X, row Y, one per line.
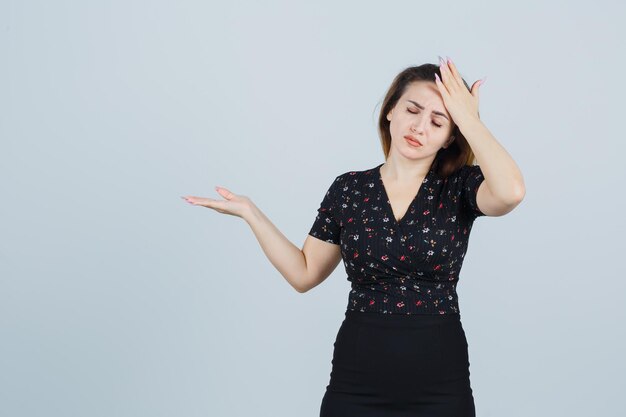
column 434, row 111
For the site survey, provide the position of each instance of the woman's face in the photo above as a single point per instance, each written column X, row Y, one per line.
column 421, row 113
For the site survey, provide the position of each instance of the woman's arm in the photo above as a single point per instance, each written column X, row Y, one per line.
column 303, row 269
column 503, row 188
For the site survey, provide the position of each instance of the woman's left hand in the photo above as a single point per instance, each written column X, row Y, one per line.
column 460, row 103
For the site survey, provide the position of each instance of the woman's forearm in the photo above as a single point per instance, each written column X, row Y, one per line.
column 287, row 258
column 500, row 170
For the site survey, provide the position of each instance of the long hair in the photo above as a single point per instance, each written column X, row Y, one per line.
column 447, row 160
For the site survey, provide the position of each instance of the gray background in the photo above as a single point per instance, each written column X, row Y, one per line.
column 117, row 298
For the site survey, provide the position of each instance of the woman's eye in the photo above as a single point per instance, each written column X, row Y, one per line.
column 415, row 112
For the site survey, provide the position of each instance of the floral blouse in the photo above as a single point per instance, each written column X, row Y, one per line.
column 410, row 266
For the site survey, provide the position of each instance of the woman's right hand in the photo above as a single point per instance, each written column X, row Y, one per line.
column 235, row 205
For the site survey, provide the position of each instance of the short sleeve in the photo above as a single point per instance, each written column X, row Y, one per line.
column 327, row 226
column 472, row 177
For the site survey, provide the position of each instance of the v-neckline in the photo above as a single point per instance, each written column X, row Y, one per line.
column 388, row 200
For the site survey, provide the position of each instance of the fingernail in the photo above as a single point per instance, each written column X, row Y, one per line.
column 482, row 81
column 449, row 60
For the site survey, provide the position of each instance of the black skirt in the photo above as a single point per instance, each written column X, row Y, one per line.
column 399, row 365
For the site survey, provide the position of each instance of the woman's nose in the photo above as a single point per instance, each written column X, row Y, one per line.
column 418, row 125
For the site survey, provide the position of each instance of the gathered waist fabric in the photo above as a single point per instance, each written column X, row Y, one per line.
column 400, row 320
column 401, row 296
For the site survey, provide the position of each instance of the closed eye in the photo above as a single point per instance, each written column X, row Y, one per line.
column 416, row 112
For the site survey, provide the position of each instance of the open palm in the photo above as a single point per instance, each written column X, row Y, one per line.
column 235, row 205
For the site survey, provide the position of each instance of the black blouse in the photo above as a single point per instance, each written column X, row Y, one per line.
column 410, row 266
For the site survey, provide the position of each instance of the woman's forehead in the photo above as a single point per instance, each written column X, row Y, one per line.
column 424, row 90
column 425, row 95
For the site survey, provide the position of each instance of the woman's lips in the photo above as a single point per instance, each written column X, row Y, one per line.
column 412, row 141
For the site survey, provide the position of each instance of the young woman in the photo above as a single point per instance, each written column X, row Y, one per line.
column 402, row 229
